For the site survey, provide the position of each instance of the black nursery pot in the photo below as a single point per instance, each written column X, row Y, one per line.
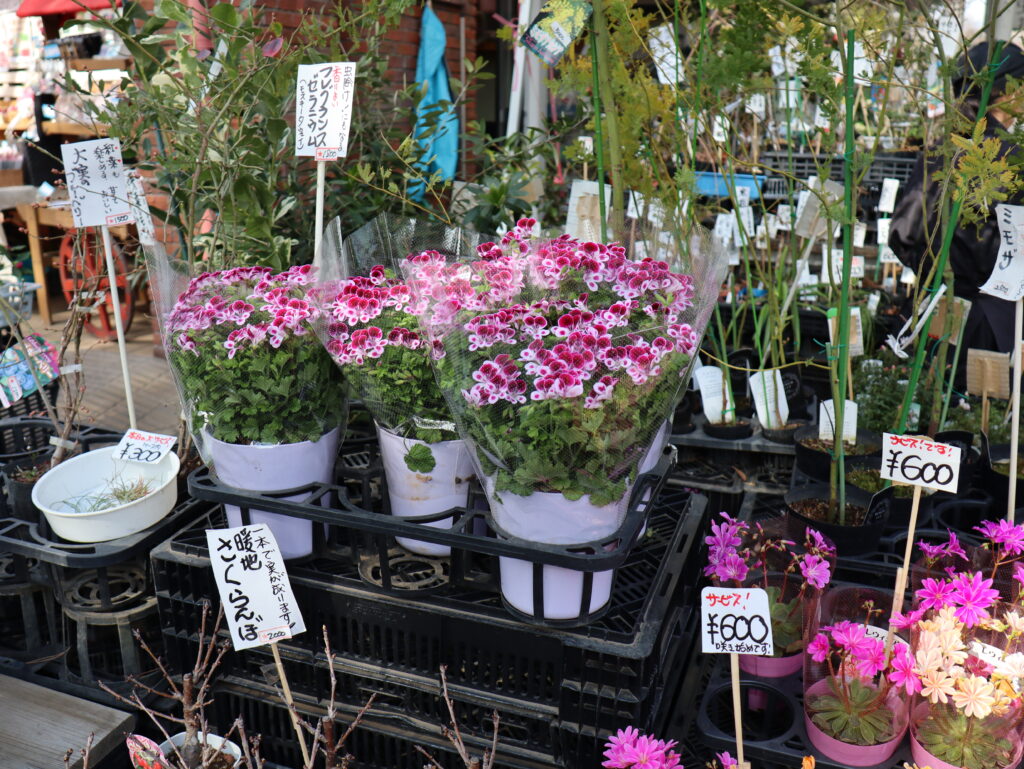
column 962, row 512
column 734, row 432
column 970, row 457
column 818, row 464
column 899, row 508
column 785, row 435
column 682, row 417
column 19, row 493
column 849, row 540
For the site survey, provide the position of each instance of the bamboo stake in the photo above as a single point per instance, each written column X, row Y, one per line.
column 291, row 704
column 1018, row 331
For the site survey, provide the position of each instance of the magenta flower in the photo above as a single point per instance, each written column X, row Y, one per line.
column 902, row 621
column 727, row 761
column 903, row 670
column 935, row 594
column 645, row 753
column 815, row 570
column 615, row 748
column 953, row 547
column 870, row 656
column 819, row 648
column 931, row 552
column 1018, row 574
column 725, row 534
column 973, row 596
column 731, row 567
column 816, row 543
column 1008, row 535
column 847, row 635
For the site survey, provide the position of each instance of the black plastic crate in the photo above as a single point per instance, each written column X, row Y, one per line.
column 803, row 165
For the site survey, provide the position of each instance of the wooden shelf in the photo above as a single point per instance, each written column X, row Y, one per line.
column 67, row 128
column 90, row 65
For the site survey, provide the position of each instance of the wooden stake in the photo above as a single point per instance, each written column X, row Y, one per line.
column 737, row 709
column 984, row 406
column 902, row 572
column 1018, row 331
column 108, row 251
column 321, row 179
column 290, row 703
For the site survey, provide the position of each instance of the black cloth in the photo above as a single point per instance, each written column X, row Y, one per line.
column 968, row 83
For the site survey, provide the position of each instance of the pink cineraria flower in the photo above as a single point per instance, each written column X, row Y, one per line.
column 973, row 596
column 902, row 673
column 935, row 594
column 819, row 648
column 815, row 570
column 727, row 761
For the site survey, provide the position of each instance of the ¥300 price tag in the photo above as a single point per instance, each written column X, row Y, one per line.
column 144, row 448
column 735, row 621
column 920, row 461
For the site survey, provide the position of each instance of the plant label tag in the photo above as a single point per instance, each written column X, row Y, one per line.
column 778, row 61
column 988, row 372
column 144, row 448
column 667, row 62
column 723, row 229
column 713, row 393
column 757, row 106
column 94, row 172
column 259, row 605
column 907, row 277
column 734, row 261
column 582, row 219
column 743, row 199
column 769, row 395
column 873, row 302
column 140, row 208
column 860, row 234
column 771, row 222
column 1007, row 278
column 323, row 109
column 856, row 331
column 961, row 307
column 827, row 421
column 920, row 461
column 735, row 620
column 821, row 118
column 784, row 217
column 887, row 256
column 588, row 144
column 555, row 27
column 761, row 237
column 884, row 225
column 887, row 200
column 811, row 221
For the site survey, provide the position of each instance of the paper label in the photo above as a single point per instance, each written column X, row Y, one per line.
column 723, row 228
column 720, row 129
column 95, row 175
column 735, row 621
column 887, row 200
column 746, row 218
column 856, row 331
column 784, row 217
column 668, row 64
column 887, row 256
column 884, row 225
column 583, row 218
column 988, row 373
column 907, row 277
column 1007, row 278
column 555, row 27
column 144, row 448
column 769, row 396
column 811, row 220
column 860, row 234
column 827, row 421
column 920, row 461
column 323, row 109
column 743, row 199
column 588, row 144
column 757, row 106
column 140, row 208
column 713, row 394
column 259, row 605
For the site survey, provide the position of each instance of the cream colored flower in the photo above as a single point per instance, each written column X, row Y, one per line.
column 927, row 659
column 1011, row 666
column 936, row 686
column 1015, row 622
column 952, row 647
column 975, row 696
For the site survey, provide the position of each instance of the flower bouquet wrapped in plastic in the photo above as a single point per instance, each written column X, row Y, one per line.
column 968, row 664
column 742, row 554
column 560, row 361
column 369, row 331
column 264, row 403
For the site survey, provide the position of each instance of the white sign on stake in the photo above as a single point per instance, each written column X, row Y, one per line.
column 140, row 208
column 919, row 461
column 1007, row 278
column 887, row 200
column 713, row 393
column 323, row 109
column 769, row 396
column 827, row 421
column 94, row 172
column 144, row 448
column 860, row 234
column 258, row 601
column 884, row 225
column 736, row 620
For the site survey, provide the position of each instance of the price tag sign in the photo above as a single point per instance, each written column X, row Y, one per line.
column 94, row 172
column 258, row 601
column 1007, row 278
column 140, row 208
column 735, row 621
column 323, row 109
column 920, row 461
column 144, row 448
column 887, row 200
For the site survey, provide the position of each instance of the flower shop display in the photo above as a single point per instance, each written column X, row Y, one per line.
column 559, row 360
column 999, row 558
column 370, row 332
column 742, row 554
column 264, row 401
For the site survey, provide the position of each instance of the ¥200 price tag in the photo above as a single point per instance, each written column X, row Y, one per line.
column 736, row 621
column 919, row 461
column 144, row 448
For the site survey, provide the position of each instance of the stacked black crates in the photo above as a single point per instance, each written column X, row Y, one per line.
column 558, row 691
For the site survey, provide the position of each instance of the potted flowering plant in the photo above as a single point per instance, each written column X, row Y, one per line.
column 264, row 401
column 968, row 660
column 742, row 554
column 1000, row 557
column 561, row 361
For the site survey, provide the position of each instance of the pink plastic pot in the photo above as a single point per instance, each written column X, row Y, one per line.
column 923, row 757
column 772, row 667
column 856, row 755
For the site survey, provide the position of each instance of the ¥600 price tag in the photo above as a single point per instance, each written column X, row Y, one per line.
column 735, row 620
column 920, row 462
column 144, row 448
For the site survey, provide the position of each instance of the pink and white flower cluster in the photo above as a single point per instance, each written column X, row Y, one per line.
column 852, row 652
column 249, row 305
column 1001, row 557
column 629, row 749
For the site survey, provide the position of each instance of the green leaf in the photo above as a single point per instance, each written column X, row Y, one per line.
column 420, row 459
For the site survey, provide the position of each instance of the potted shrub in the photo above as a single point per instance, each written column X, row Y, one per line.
column 561, row 361
column 742, row 554
column 20, row 476
column 264, row 401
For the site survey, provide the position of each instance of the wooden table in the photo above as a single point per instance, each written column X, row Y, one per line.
column 39, row 725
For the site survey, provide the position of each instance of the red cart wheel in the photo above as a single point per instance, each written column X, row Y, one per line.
column 87, row 271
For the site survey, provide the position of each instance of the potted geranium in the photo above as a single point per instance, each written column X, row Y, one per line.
column 264, row 401
column 562, row 360
column 742, row 554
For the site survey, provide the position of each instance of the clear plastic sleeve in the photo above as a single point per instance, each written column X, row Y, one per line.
column 560, row 360
column 248, row 368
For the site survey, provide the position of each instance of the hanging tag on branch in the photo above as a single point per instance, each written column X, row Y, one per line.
column 323, row 109
column 902, row 340
column 555, row 27
column 1007, row 278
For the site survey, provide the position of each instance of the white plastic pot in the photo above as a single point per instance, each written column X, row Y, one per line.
column 650, row 460
column 214, row 741
column 550, row 518
column 412, row 493
column 256, row 467
column 91, row 474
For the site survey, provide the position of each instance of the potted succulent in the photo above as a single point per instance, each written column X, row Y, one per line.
column 562, row 360
column 264, row 401
column 742, row 554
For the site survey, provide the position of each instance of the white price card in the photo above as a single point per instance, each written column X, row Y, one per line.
column 94, row 172
column 323, row 109
column 769, row 396
column 713, row 393
column 887, row 256
column 784, row 215
column 140, row 208
column 827, row 421
column 860, row 234
column 258, row 601
column 723, row 228
column 887, row 200
column 1007, row 278
column 735, row 620
column 920, row 461
column 884, row 225
column 144, row 448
